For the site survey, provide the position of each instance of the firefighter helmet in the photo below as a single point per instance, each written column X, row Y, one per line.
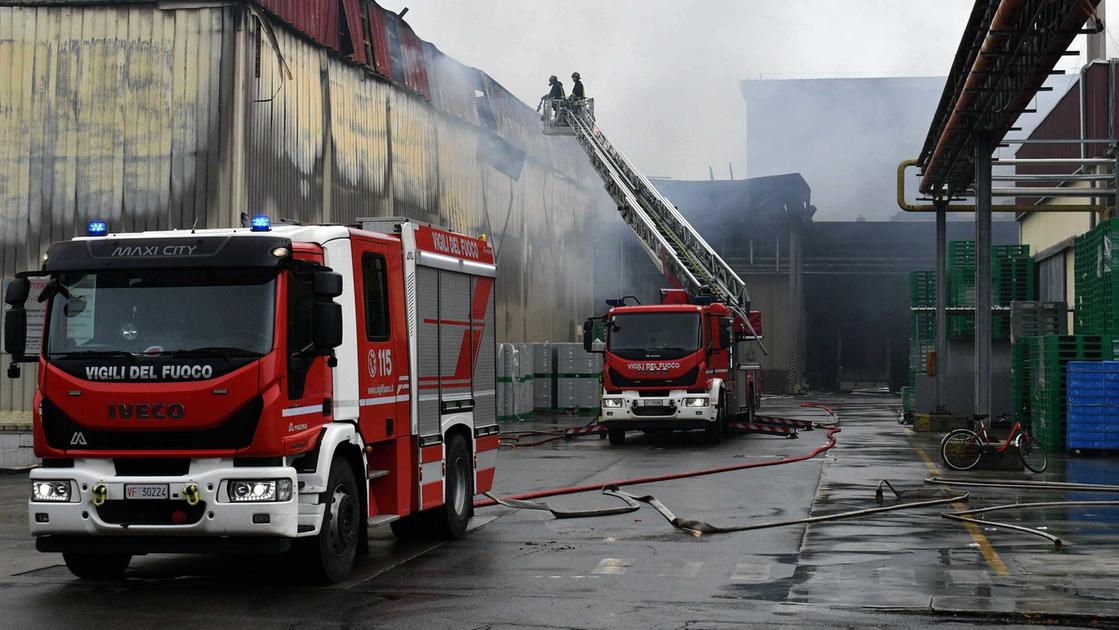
column 575, row 76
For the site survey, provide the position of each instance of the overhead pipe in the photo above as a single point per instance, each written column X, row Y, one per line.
column 1002, row 23
column 970, row 207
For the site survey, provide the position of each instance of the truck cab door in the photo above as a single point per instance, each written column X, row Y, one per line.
column 309, row 384
column 383, row 381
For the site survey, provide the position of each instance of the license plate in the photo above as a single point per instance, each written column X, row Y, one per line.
column 146, row 491
column 653, row 402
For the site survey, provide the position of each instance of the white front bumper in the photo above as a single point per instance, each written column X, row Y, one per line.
column 661, row 409
column 218, row 518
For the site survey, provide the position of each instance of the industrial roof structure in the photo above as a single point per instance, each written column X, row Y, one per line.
column 1007, row 50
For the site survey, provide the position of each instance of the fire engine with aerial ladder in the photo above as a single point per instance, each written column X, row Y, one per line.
column 679, row 364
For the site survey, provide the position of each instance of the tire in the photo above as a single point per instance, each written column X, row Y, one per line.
column 449, row 521
column 617, row 436
column 713, row 432
column 961, row 449
column 1031, row 453
column 97, row 566
column 329, row 557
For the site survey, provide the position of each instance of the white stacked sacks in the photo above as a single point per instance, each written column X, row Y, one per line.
column 523, row 392
column 590, row 382
column 567, row 379
column 543, row 376
column 505, row 383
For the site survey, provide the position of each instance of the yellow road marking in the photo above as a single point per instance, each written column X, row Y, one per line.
column 989, row 553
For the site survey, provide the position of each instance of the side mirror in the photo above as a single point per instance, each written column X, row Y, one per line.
column 327, row 326
column 15, row 322
column 327, row 284
column 17, row 292
column 588, row 334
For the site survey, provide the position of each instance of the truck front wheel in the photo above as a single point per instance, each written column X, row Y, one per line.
column 97, row 566
column 617, row 436
column 330, row 555
column 713, row 433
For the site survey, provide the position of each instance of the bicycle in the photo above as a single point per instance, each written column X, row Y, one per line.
column 962, row 449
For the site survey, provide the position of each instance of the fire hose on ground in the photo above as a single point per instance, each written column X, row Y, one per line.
column 968, row 516
column 831, row 427
column 632, row 502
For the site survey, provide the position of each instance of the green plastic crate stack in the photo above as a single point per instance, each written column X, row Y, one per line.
column 1047, row 363
column 1097, row 280
column 922, row 330
column 1012, row 278
column 961, row 287
column 922, row 288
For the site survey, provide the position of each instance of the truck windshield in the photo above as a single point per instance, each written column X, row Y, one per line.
column 654, row 335
column 227, row 312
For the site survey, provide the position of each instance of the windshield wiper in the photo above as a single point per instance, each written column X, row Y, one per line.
column 92, row 354
column 226, row 352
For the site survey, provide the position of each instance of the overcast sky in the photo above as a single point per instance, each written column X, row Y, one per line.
column 665, row 73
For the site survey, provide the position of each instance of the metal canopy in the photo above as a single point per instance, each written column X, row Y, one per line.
column 1007, row 50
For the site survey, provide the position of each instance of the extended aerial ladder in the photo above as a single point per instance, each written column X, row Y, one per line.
column 676, row 248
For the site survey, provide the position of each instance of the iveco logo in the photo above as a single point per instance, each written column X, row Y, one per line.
column 146, row 411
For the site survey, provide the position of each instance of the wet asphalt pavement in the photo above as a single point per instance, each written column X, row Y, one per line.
column 520, row 569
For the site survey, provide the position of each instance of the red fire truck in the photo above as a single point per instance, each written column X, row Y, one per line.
column 261, row 389
column 675, row 365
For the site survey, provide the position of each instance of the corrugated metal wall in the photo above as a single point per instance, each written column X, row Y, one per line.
column 163, row 118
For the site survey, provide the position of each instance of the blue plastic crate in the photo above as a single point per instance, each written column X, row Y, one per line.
column 1090, row 391
column 1092, row 423
column 1093, row 366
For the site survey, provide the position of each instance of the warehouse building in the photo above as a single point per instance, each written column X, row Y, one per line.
column 157, row 115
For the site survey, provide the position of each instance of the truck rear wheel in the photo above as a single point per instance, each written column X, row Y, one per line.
column 449, row 520
column 330, row 555
column 617, row 436
column 97, row 566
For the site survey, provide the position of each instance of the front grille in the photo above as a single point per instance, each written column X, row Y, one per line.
column 235, row 433
column 158, row 467
column 150, row 512
column 652, row 380
column 654, row 411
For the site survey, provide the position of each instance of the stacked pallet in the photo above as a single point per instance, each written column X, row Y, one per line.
column 1097, row 283
column 1012, row 279
column 514, row 382
column 1036, row 319
column 1093, row 405
column 922, row 329
column 1044, row 368
column 543, row 376
column 578, row 375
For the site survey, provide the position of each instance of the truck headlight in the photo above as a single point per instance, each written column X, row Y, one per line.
column 613, row 403
column 698, row 401
column 259, row 490
column 53, row 491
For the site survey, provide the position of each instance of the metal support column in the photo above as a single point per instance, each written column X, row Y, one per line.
column 941, row 302
column 983, row 151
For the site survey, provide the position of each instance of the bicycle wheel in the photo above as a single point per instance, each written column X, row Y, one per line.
column 961, row 449
column 1029, row 450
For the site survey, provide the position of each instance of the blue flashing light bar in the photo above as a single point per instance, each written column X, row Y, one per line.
column 96, row 228
column 260, row 223
column 612, row 302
